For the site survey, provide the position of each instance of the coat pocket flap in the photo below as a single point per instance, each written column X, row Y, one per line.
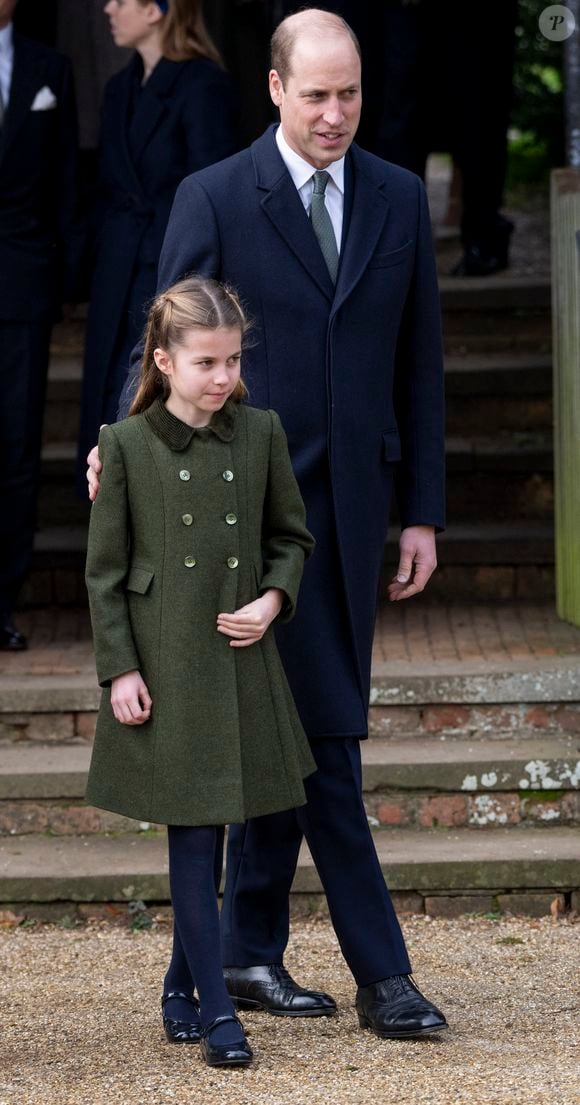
column 391, row 445
column 139, row 579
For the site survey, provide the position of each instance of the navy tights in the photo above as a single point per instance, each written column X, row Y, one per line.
column 195, row 867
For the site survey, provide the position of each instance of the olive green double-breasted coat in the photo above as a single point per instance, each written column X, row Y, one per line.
column 187, row 524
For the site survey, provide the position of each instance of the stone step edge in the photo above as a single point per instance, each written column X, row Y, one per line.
column 546, row 680
column 128, row 869
column 49, row 771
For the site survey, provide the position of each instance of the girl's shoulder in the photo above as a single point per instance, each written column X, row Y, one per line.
column 125, row 432
column 258, row 419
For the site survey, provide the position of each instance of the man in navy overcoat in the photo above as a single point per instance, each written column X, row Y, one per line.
column 40, row 253
column 343, row 291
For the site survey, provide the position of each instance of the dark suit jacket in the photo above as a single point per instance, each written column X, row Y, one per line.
column 40, row 238
column 183, row 119
column 355, row 373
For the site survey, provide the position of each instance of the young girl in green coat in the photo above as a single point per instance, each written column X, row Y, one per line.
column 197, row 543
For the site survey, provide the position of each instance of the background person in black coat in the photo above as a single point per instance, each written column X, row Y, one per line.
column 40, row 248
column 169, row 112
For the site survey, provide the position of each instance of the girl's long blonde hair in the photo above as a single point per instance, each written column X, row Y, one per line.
column 184, row 34
column 195, row 303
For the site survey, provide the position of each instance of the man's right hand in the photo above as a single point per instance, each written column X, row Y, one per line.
column 93, row 471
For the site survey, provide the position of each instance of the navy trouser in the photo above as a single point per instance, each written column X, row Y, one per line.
column 262, row 858
column 24, row 350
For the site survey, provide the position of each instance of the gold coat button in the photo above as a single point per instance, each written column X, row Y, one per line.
column 187, row 519
column 231, row 519
column 184, row 474
column 227, row 475
column 189, row 562
column 233, row 561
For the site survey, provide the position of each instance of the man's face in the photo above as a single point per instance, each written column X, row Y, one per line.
column 320, row 103
column 6, row 11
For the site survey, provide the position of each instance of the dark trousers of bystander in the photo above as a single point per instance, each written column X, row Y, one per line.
column 24, row 350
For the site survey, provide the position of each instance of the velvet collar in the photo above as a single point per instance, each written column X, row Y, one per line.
column 178, row 434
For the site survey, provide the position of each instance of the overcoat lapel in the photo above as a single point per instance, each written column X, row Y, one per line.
column 283, row 206
column 118, row 140
column 368, row 208
column 153, row 103
column 27, row 79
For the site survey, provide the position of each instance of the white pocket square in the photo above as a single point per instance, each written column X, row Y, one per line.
column 44, row 100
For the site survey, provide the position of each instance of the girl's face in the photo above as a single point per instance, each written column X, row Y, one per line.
column 202, row 372
column 132, row 23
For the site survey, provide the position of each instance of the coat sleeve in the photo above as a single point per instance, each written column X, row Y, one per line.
column 70, row 222
column 191, row 244
column 419, row 390
column 108, row 565
column 286, row 542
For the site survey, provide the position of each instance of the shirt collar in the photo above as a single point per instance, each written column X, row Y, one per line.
column 178, row 434
column 6, row 40
column 300, row 170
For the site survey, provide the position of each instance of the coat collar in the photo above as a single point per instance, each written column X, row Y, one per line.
column 365, row 199
column 177, row 434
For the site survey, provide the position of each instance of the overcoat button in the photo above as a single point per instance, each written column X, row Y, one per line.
column 227, row 475
column 184, row 474
column 187, row 519
column 233, row 561
column 189, row 562
column 231, row 519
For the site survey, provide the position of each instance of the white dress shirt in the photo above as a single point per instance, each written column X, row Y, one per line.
column 6, row 63
column 302, row 173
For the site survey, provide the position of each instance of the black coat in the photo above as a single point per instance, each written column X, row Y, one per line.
column 40, row 236
column 152, row 136
column 355, row 373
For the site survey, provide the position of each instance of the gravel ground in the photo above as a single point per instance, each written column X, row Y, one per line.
column 81, row 1023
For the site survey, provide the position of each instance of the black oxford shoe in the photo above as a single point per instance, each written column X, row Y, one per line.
column 396, row 1009
column 11, row 639
column 225, row 1055
column 271, row 988
column 182, row 1032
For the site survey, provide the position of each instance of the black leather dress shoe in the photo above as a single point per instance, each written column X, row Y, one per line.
column 225, row 1055
column 11, row 639
column 182, row 1032
column 271, row 988
column 396, row 1009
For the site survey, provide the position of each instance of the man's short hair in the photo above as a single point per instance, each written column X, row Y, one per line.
column 289, row 30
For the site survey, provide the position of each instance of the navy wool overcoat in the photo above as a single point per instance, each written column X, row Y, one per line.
column 152, row 136
column 355, row 373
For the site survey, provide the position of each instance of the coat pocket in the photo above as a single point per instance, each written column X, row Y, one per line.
column 139, row 579
column 394, row 257
column 391, row 446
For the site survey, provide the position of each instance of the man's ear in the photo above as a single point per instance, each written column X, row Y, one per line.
column 276, row 87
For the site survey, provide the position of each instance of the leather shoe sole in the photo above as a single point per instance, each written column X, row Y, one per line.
column 247, row 1003
column 402, row 1033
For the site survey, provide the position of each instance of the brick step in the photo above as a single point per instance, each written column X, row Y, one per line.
column 424, row 783
column 133, row 867
column 477, row 562
column 532, row 698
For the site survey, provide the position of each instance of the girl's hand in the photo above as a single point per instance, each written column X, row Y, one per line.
column 248, row 625
column 130, row 699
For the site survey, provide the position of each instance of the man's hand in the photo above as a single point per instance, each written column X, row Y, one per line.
column 248, row 624
column 417, row 562
column 130, row 699
column 95, row 467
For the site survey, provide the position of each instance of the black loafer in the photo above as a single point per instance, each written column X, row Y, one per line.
column 395, row 1008
column 11, row 639
column 225, row 1055
column 272, row 989
column 182, row 1032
